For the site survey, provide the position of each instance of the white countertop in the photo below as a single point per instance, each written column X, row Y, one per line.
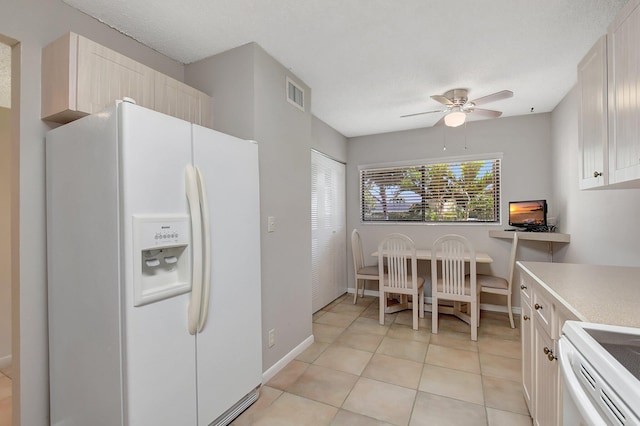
column 594, row 293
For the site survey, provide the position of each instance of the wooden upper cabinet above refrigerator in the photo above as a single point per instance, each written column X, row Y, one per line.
column 81, row 77
column 175, row 98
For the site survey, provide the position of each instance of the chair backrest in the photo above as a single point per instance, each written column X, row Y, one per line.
column 512, row 264
column 452, row 251
column 356, row 249
column 398, row 249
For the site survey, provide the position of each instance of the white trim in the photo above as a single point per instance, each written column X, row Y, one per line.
column 275, row 368
column 517, row 310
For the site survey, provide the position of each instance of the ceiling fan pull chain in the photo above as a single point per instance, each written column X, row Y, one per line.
column 444, row 138
column 465, row 135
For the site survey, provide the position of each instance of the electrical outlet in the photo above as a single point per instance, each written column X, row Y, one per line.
column 272, row 337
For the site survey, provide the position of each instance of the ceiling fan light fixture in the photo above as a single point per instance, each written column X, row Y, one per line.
column 455, row 119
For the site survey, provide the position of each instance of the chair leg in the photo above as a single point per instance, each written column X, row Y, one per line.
column 364, row 284
column 434, row 315
column 355, row 293
column 510, row 311
column 415, row 312
column 474, row 321
column 383, row 305
column 422, row 303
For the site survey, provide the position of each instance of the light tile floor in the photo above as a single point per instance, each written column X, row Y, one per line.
column 358, row 372
column 5, row 396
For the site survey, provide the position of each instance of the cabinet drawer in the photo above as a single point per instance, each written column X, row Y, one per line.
column 525, row 289
column 543, row 313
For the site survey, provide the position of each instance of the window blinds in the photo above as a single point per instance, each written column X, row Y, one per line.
column 455, row 191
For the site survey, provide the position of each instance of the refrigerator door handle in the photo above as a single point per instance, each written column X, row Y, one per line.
column 206, row 253
column 191, row 187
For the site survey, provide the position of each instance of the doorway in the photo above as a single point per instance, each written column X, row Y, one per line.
column 328, row 230
column 9, row 63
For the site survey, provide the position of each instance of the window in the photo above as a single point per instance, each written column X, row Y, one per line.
column 458, row 190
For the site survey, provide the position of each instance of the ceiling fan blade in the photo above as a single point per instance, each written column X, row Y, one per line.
column 421, row 113
column 486, row 112
column 442, row 99
column 504, row 94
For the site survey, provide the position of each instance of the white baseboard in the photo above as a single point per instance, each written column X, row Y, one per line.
column 275, row 368
column 5, row 361
column 427, row 304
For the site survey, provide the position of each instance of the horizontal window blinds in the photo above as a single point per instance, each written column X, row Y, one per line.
column 456, row 191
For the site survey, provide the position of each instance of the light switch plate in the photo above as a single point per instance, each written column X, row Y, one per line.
column 271, row 224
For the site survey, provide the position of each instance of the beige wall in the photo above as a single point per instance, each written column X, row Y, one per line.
column 35, row 23
column 5, row 240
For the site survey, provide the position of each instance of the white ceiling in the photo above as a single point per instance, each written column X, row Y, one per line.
column 370, row 61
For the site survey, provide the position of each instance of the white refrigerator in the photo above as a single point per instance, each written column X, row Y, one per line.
column 153, row 246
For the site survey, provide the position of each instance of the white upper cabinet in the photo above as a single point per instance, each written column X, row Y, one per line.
column 624, row 96
column 81, row 77
column 609, row 101
column 592, row 130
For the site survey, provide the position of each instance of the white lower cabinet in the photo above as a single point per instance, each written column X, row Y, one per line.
column 542, row 320
column 545, row 392
column 526, row 327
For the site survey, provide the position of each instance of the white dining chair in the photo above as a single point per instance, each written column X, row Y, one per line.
column 450, row 282
column 401, row 275
column 498, row 285
column 363, row 273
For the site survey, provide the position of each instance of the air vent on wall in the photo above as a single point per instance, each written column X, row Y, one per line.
column 295, row 94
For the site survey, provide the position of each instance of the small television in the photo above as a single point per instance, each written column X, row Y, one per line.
column 528, row 214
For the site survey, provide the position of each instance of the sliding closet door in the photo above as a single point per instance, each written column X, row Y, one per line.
column 328, row 230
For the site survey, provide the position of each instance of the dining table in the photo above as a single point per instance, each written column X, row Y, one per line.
column 426, row 254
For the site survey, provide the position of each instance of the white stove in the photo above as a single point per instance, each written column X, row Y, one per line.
column 601, row 370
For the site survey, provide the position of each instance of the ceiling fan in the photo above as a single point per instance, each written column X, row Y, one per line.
column 457, row 106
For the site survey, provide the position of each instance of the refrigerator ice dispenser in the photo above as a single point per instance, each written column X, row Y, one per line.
column 161, row 257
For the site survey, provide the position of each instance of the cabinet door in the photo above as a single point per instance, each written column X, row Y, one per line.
column 526, row 325
column 175, row 98
column 624, row 96
column 545, row 387
column 105, row 76
column 592, row 130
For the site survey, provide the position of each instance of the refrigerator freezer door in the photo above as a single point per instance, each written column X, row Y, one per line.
column 160, row 364
column 229, row 347
column 83, row 255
